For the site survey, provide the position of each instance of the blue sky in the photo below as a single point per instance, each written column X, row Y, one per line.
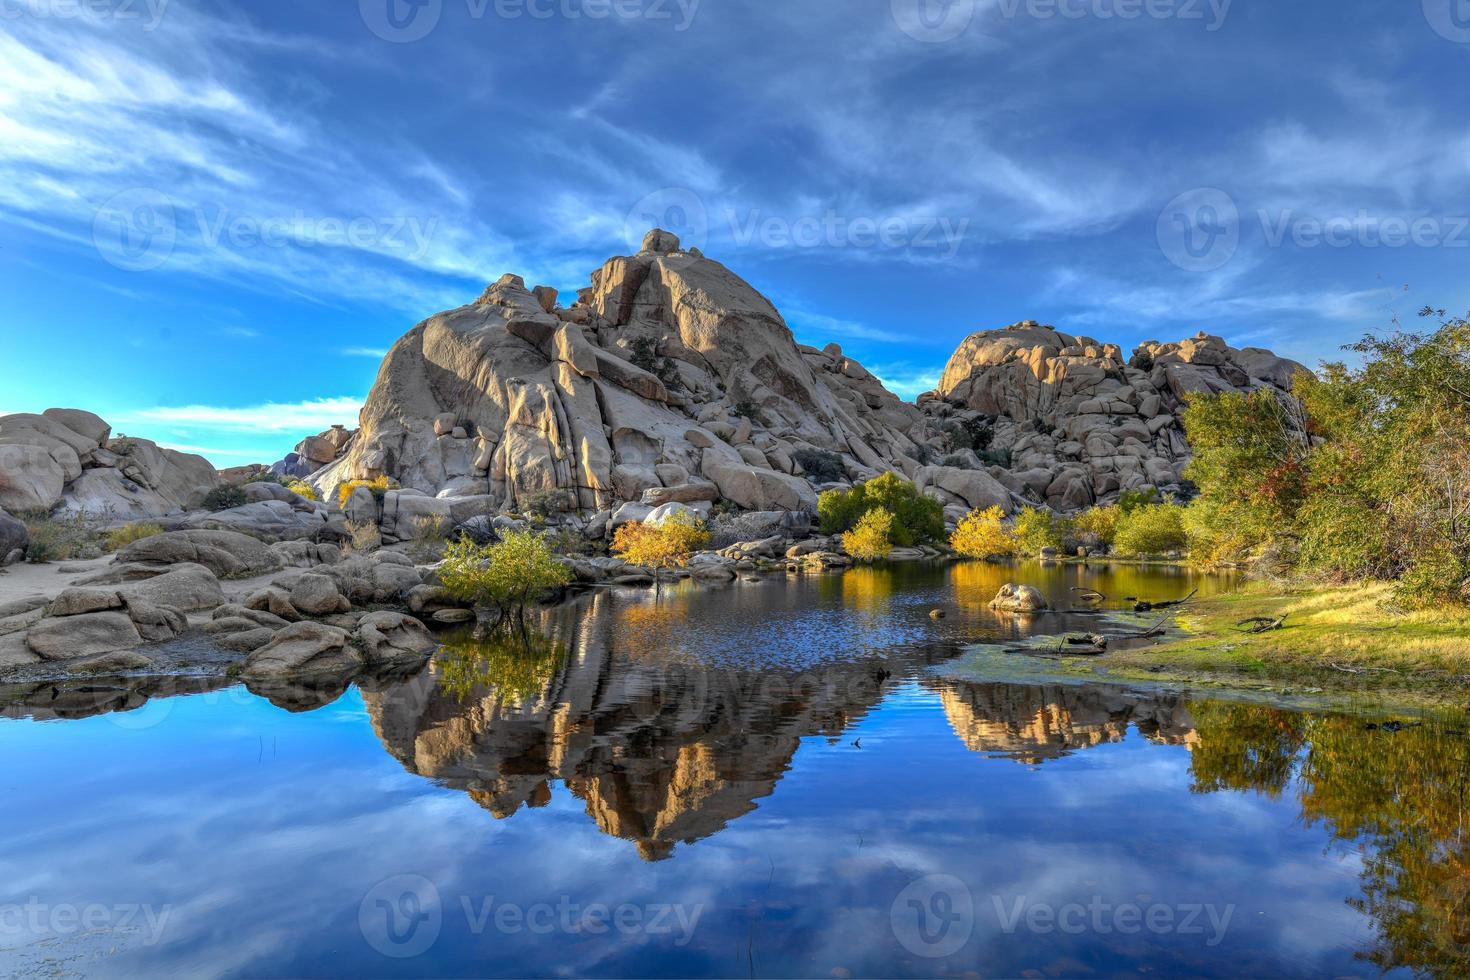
column 215, row 217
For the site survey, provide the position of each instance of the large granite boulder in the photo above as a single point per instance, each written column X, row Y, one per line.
column 667, row 365
column 64, row 458
column 13, row 536
column 228, row 554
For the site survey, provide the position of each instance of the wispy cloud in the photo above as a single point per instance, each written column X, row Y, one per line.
column 373, row 352
column 302, row 417
column 906, row 380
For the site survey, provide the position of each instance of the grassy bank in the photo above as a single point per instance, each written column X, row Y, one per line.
column 1347, row 636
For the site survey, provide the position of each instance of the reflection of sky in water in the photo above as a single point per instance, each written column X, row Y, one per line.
column 263, row 830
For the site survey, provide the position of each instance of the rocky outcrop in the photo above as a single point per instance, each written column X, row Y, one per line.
column 667, row 372
column 65, row 459
column 1073, row 422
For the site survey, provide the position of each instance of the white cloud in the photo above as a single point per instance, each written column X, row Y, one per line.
column 907, row 381
column 373, row 352
column 303, row 417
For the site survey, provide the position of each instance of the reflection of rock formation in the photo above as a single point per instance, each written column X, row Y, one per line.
column 659, row 753
column 97, row 696
column 1035, row 723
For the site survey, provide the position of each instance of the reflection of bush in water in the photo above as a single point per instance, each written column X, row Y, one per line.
column 866, row 588
column 516, row 663
column 1399, row 794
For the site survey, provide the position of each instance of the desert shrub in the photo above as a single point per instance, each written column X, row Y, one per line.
column 1036, row 528
column 871, row 538
column 1151, row 529
column 377, row 486
column 1099, row 522
column 996, row 457
column 1128, row 500
column 59, row 539
column 503, row 576
column 1141, row 360
column 266, row 476
column 224, row 497
column 365, row 535
column 974, row 433
column 917, row 519
column 983, row 534
column 643, row 353
column 302, row 489
column 567, row 541
column 731, row 526
column 657, row 546
column 957, row 460
column 820, row 466
column 1434, row 579
column 545, row 504
column 746, row 409
column 120, row 537
column 425, row 535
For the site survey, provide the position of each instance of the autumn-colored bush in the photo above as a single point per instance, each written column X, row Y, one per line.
column 872, row 538
column 983, row 534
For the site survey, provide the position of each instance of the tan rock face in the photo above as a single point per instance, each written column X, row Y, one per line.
column 1073, row 409
column 667, row 365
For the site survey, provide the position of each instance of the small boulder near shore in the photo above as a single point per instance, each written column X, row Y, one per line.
column 1019, row 598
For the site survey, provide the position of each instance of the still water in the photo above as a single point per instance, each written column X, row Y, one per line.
column 786, row 778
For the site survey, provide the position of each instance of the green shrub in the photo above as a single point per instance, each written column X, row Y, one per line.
column 545, row 504
column 820, row 466
column 974, row 433
column 1036, row 528
column 917, row 519
column 302, row 489
column 503, row 576
column 120, row 537
column 224, row 497
column 1099, row 522
column 996, row 457
column 1151, row 529
column 60, row 539
column 956, row 460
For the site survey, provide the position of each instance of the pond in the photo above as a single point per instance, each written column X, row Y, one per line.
column 781, row 778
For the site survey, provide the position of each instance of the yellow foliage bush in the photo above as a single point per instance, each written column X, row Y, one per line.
column 377, row 486
column 983, row 535
column 1102, row 522
column 302, row 489
column 871, row 539
column 121, row 537
column 668, row 545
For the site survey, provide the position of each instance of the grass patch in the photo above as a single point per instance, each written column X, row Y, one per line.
column 1334, row 636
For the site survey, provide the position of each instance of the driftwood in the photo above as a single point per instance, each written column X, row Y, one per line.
column 1261, row 624
column 1361, row 670
column 1156, row 629
column 1144, row 606
column 1089, row 595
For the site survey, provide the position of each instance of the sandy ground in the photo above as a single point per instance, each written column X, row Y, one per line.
column 25, row 580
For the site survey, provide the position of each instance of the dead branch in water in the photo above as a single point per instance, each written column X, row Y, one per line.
column 1156, row 629
column 1089, row 595
column 1144, row 606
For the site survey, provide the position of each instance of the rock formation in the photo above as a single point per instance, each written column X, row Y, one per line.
column 64, row 459
column 1073, row 422
column 669, row 375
